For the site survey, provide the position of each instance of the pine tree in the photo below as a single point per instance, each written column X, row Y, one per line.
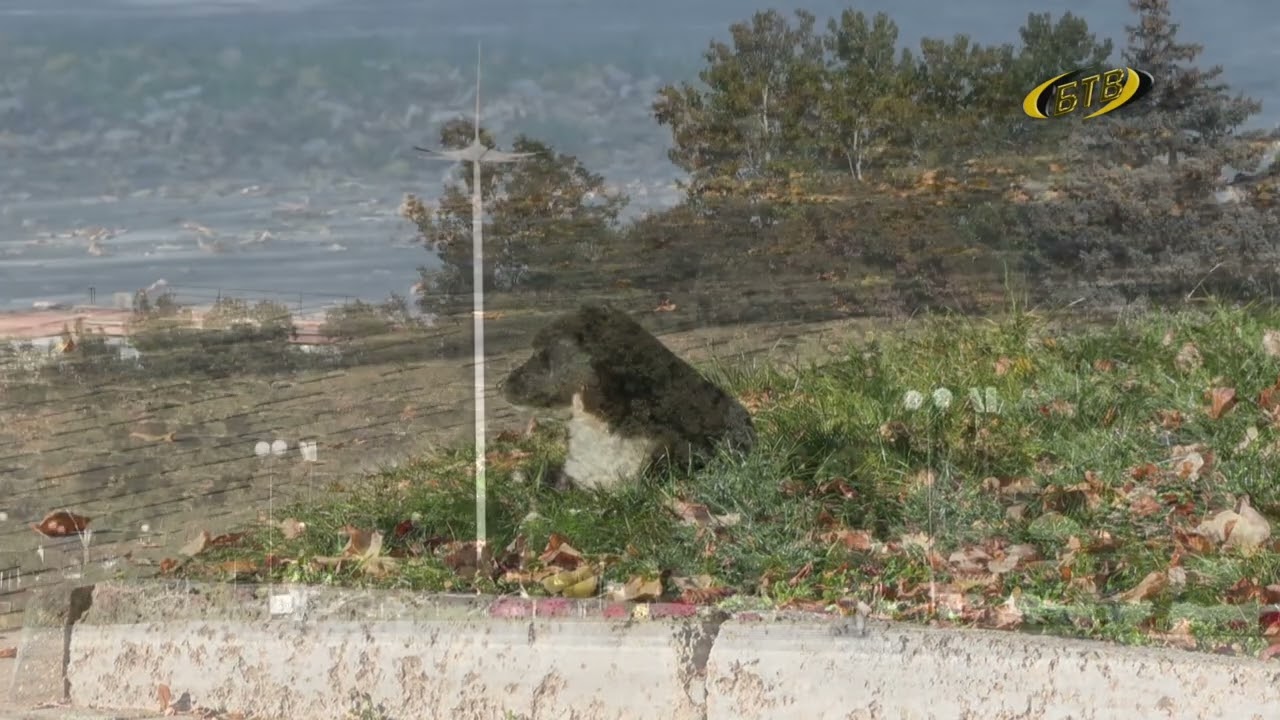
column 1188, row 107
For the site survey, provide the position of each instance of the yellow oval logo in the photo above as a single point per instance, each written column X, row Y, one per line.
column 1096, row 93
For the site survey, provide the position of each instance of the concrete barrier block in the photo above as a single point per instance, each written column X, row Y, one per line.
column 813, row 670
column 418, row 657
column 38, row 670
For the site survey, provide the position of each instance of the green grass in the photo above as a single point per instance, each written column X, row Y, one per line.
column 841, row 457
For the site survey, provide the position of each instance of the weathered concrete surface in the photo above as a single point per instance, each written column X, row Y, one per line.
column 38, row 676
column 420, row 657
column 472, row 658
column 805, row 670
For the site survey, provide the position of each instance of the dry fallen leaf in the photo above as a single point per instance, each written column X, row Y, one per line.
column 579, row 583
column 1152, row 585
column 858, row 540
column 166, row 697
column 1271, row 343
column 1143, row 502
column 292, row 529
column 640, row 589
column 196, row 545
column 1003, row 365
column 691, row 513
column 1188, row 358
column 61, row 523
column 1179, row 635
column 969, row 560
column 1189, row 466
column 1006, row 615
column 239, row 567
column 1169, row 419
column 1245, row 529
column 560, row 553
column 1013, row 556
column 364, row 549
column 1221, row 399
column 8, row 652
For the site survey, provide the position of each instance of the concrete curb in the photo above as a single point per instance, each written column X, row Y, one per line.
column 221, row 646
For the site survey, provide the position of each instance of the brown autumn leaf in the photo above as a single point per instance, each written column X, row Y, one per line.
column 1152, row 585
column 970, row 560
column 226, row 539
column 1011, row 558
column 8, row 653
column 1189, row 466
column 1022, row 486
column 1143, row 502
column 1109, row 417
column 1269, row 652
column 403, row 528
column 697, row 514
column 196, row 545
column 166, row 697
column 1003, row 365
column 1087, row 492
column 292, row 529
column 1250, row 590
column 1145, row 472
column 1169, row 419
column 506, row 459
column 1221, row 400
column 238, row 567
column 364, row 550
column 857, row 540
column 1269, row 397
column 639, row 589
column 894, row 432
column 692, row 582
column 665, row 306
column 461, row 557
column 1180, row 635
column 1271, row 343
column 837, row 486
column 168, row 565
column 1188, row 358
column 703, row 595
column 560, row 553
column 1245, row 528
column 1192, row 542
column 1005, row 616
column 1058, row 408
column 61, row 523
column 801, row 575
column 1104, row 365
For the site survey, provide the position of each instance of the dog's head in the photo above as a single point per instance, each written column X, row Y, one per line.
column 560, row 367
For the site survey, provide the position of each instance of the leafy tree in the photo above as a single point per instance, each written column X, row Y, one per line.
column 756, row 113
column 867, row 109
column 541, row 211
column 964, row 93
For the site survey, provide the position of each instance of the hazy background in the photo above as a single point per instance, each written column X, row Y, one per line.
column 265, row 146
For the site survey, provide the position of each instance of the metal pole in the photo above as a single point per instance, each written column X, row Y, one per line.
column 477, row 316
column 476, row 154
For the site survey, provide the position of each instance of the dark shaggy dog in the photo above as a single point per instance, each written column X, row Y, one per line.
column 635, row 403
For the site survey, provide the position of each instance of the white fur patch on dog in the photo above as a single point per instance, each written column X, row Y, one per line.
column 597, row 457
